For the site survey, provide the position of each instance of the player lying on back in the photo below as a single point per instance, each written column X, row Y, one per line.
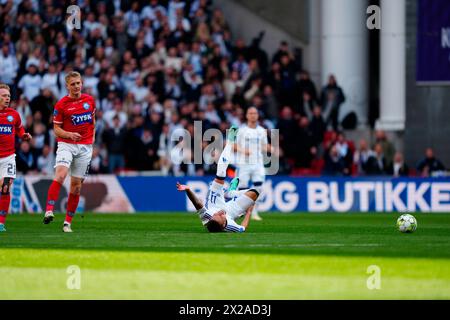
column 10, row 127
column 218, row 215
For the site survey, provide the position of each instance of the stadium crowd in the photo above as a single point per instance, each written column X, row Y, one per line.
column 156, row 66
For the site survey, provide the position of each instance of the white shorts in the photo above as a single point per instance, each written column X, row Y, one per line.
column 234, row 208
column 76, row 157
column 8, row 167
column 255, row 173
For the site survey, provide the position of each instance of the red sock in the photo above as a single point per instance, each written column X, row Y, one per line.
column 5, row 199
column 72, row 205
column 53, row 194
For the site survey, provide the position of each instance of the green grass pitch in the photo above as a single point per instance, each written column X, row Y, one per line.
column 171, row 256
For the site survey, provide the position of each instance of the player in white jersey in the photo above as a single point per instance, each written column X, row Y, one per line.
column 250, row 148
column 217, row 214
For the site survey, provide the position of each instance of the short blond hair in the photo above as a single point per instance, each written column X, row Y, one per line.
column 5, row 86
column 72, row 74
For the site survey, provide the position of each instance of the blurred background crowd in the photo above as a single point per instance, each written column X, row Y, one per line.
column 158, row 66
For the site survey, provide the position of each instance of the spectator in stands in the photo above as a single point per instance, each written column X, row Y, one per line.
column 30, row 83
column 25, row 160
column 241, row 66
column 332, row 97
column 40, row 139
column 344, row 149
column 283, row 50
column 334, row 163
column 288, row 80
column 388, row 147
column 430, row 165
column 288, row 127
column 46, row 161
column 132, row 21
column 22, row 107
column 207, row 97
column 44, row 102
column 398, row 168
column 90, row 81
column 114, row 140
column 376, row 164
column 139, row 91
column 117, row 110
column 97, row 163
column 50, row 80
column 255, row 51
column 317, row 126
column 361, row 157
column 306, row 105
column 305, row 84
column 8, row 66
column 150, row 149
column 305, row 148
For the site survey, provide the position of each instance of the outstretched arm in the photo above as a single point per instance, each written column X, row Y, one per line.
column 246, row 220
column 192, row 197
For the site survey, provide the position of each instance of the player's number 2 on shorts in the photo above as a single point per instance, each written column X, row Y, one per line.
column 11, row 169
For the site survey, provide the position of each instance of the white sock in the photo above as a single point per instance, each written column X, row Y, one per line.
column 224, row 161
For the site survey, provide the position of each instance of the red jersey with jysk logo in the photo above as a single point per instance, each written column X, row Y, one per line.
column 10, row 126
column 76, row 115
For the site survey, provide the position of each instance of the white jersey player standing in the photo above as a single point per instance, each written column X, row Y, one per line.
column 250, row 147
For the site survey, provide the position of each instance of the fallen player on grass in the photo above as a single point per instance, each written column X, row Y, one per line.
column 217, row 214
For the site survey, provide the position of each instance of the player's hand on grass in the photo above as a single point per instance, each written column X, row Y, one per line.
column 75, row 136
column 182, row 187
column 26, row 137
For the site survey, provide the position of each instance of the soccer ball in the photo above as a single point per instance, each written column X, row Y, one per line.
column 406, row 223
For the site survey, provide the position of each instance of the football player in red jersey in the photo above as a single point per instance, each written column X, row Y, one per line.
column 10, row 126
column 74, row 126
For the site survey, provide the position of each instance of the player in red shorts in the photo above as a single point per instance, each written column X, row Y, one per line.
column 74, row 125
column 10, row 126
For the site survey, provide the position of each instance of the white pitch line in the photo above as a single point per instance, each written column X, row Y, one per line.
column 306, row 245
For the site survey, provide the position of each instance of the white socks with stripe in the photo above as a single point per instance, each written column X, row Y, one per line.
column 224, row 161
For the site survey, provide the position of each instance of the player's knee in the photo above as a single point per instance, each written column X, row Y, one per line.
column 253, row 194
column 6, row 186
column 75, row 189
column 61, row 175
column 75, row 186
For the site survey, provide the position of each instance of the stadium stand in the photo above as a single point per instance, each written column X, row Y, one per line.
column 155, row 66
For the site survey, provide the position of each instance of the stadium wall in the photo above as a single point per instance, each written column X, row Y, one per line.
column 111, row 194
column 427, row 104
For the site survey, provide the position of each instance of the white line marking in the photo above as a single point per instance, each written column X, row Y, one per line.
column 306, row 245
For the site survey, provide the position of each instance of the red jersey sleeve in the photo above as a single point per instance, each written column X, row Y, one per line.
column 20, row 131
column 58, row 114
